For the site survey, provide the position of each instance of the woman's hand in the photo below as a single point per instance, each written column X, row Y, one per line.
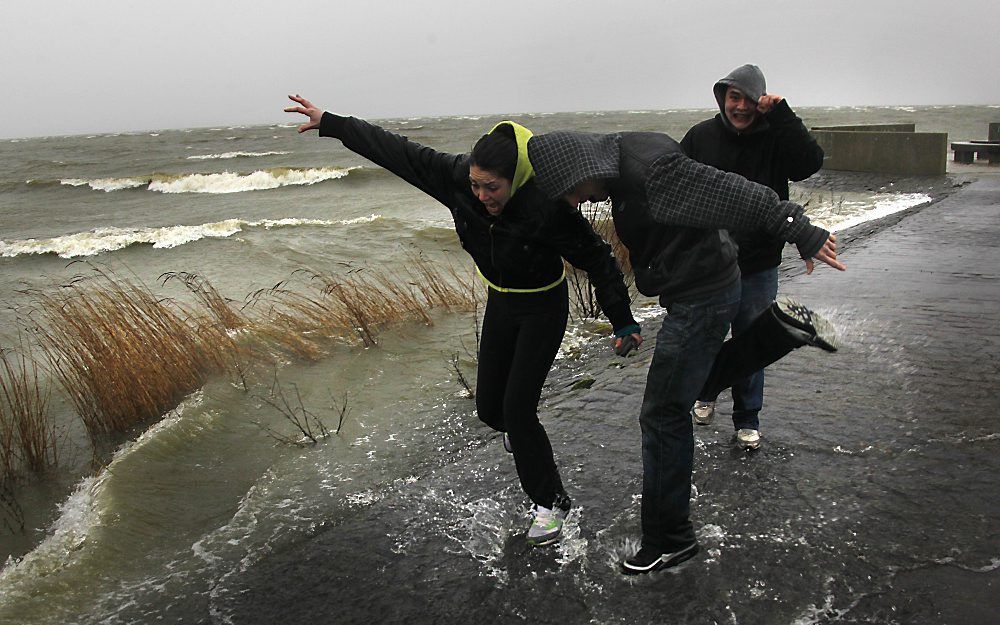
column 308, row 109
column 623, row 345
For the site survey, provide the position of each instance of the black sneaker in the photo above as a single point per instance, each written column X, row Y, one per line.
column 805, row 325
column 647, row 560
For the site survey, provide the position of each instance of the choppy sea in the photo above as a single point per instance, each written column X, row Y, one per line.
column 204, row 491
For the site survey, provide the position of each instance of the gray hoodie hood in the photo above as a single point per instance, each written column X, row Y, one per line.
column 564, row 159
column 748, row 79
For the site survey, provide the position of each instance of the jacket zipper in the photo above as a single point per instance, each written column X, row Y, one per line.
column 493, row 259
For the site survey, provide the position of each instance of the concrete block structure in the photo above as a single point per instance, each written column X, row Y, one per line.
column 887, row 148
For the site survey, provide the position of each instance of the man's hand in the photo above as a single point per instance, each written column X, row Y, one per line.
column 826, row 254
column 767, row 102
column 306, row 108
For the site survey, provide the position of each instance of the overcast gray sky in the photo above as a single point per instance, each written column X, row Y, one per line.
column 69, row 66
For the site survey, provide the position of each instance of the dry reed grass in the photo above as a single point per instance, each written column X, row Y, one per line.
column 358, row 304
column 27, row 435
column 123, row 355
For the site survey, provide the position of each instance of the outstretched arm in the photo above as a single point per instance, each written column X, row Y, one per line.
column 435, row 173
column 684, row 192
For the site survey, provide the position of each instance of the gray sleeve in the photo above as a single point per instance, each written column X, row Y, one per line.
column 684, row 192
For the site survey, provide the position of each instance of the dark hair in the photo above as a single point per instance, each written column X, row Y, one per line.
column 496, row 152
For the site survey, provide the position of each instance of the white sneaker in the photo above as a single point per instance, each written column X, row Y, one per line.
column 748, row 439
column 703, row 412
column 546, row 526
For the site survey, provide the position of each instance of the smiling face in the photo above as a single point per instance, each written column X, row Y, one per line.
column 489, row 188
column 741, row 111
column 588, row 191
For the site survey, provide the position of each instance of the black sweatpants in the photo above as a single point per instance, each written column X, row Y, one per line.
column 520, row 337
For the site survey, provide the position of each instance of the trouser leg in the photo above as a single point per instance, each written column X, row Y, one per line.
column 686, row 347
column 765, row 341
column 758, row 291
column 514, row 383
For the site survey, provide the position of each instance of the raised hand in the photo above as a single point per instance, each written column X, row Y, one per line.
column 767, row 102
column 308, row 109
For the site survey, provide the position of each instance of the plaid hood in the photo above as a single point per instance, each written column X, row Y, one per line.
column 564, row 159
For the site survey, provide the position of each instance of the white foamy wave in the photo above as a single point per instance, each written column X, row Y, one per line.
column 79, row 515
column 228, row 155
column 111, row 239
column 228, row 182
column 224, row 182
column 884, row 205
column 107, row 184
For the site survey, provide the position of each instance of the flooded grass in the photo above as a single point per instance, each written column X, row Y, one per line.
column 123, row 355
column 27, row 435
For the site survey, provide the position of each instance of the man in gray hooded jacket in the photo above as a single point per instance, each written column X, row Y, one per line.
column 672, row 213
column 758, row 136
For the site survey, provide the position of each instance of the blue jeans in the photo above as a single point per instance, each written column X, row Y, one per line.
column 758, row 292
column 691, row 336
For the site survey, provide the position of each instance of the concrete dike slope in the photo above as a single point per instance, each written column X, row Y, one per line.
column 872, row 500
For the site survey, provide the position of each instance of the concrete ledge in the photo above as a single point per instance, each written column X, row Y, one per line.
column 888, row 148
column 871, row 128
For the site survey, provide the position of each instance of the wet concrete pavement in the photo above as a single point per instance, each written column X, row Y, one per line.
column 874, row 498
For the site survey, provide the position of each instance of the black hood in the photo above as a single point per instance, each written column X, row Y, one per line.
column 748, row 79
column 564, row 159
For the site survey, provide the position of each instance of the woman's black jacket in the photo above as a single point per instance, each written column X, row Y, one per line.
column 523, row 247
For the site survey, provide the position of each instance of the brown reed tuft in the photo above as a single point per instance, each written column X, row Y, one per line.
column 122, row 354
column 27, row 434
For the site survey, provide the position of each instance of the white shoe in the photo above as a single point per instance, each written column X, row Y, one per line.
column 703, row 412
column 748, row 439
column 506, row 443
column 546, row 526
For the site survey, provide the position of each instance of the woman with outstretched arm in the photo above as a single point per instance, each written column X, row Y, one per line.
column 518, row 239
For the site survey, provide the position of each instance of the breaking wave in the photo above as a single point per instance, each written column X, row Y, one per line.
column 224, row 182
column 228, row 155
column 110, row 239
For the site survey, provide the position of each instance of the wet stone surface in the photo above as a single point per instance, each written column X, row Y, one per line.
column 872, row 499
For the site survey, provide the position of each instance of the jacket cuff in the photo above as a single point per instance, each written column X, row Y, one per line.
column 331, row 125
column 627, row 330
column 781, row 114
column 811, row 241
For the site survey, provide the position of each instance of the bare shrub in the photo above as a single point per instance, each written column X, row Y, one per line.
column 310, row 428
